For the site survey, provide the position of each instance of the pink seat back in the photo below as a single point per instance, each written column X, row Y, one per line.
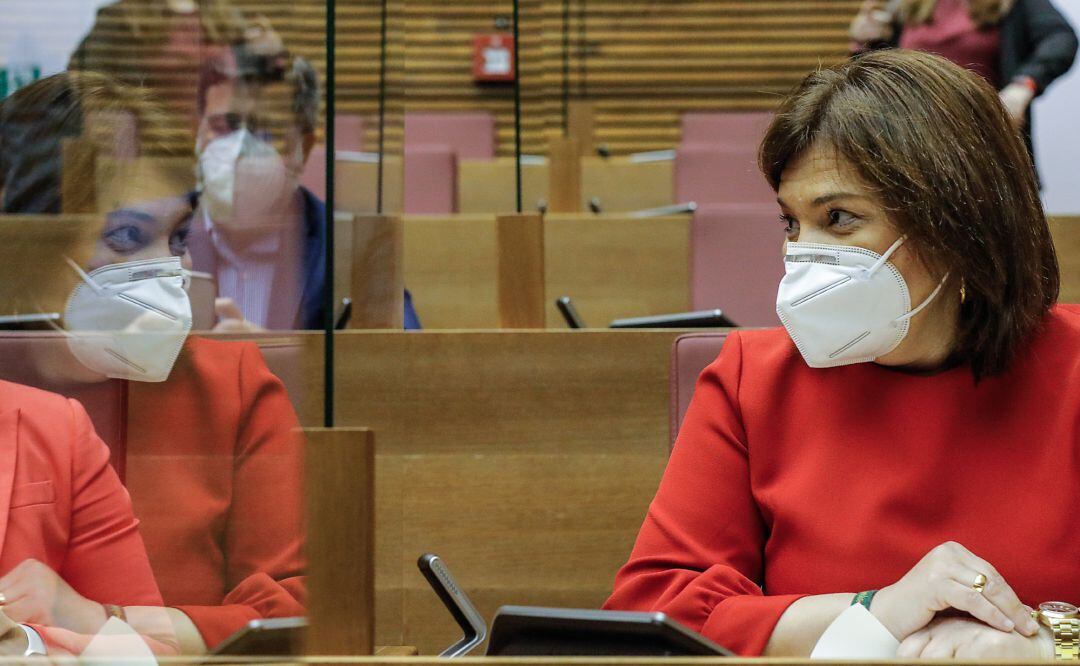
column 42, row 360
column 348, row 135
column 736, row 262
column 430, row 180
column 737, row 130
column 690, row 355
column 470, row 134
column 708, row 174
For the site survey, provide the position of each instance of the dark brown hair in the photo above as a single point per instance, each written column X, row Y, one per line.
column 935, row 145
column 86, row 107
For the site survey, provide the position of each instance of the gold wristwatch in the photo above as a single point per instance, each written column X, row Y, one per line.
column 1064, row 621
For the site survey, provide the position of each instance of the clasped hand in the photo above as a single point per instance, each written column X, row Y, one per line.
column 1000, row 626
column 34, row 593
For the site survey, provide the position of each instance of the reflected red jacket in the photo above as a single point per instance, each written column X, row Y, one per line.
column 61, row 503
column 215, row 470
column 787, row 480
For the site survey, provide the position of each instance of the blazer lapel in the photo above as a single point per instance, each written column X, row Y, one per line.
column 9, row 428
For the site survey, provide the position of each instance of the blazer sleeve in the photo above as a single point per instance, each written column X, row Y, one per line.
column 1053, row 40
column 699, row 555
column 106, row 560
column 264, row 535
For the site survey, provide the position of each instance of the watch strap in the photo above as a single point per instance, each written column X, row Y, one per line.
column 1066, row 639
column 35, row 647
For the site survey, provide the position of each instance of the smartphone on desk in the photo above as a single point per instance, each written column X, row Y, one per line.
column 273, row 637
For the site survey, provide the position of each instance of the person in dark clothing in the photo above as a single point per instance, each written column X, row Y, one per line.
column 1021, row 46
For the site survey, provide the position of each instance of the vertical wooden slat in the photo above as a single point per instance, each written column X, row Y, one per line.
column 340, row 491
column 521, row 271
column 564, row 187
column 581, row 118
column 377, row 272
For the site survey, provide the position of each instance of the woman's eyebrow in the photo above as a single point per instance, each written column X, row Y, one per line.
column 130, row 215
column 833, row 196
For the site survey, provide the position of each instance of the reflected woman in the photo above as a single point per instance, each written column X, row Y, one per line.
column 212, row 461
column 912, row 434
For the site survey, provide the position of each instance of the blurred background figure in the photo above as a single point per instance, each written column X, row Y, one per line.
column 161, row 45
column 209, row 453
column 258, row 231
column 1020, row 46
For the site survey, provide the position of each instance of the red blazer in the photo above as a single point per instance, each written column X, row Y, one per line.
column 214, row 467
column 61, row 502
column 788, row 480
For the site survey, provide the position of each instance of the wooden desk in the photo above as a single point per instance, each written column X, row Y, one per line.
column 525, row 459
column 621, row 185
column 611, row 265
column 614, row 266
column 488, row 186
column 1066, row 231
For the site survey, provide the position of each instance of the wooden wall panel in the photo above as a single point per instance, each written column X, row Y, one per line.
column 1066, row 232
column 525, row 459
column 641, row 62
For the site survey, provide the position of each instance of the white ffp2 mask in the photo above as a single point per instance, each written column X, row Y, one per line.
column 129, row 320
column 843, row 305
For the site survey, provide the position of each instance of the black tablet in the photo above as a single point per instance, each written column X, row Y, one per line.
column 275, row 637
column 697, row 319
column 532, row 631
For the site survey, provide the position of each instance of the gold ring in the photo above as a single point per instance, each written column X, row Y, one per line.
column 980, row 583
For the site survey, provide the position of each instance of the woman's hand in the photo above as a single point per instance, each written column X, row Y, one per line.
column 35, row 593
column 965, row 638
column 943, row 579
column 1017, row 98
column 13, row 641
column 872, row 23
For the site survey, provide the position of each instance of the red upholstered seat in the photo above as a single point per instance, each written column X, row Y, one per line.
column 348, row 135
column 470, row 134
column 736, row 261
column 430, row 179
column 690, row 354
column 737, row 130
column 708, row 174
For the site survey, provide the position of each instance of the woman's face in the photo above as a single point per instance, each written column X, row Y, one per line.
column 822, row 200
column 148, row 224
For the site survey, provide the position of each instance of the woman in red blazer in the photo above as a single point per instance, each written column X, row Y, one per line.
column 910, row 442
column 213, row 460
column 65, row 512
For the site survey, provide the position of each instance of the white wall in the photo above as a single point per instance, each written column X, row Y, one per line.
column 45, row 31
column 1057, row 134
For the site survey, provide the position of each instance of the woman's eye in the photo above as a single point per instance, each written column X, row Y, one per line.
column 126, row 239
column 791, row 225
column 841, row 218
column 178, row 241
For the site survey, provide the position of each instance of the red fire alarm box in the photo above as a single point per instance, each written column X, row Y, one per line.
column 493, row 58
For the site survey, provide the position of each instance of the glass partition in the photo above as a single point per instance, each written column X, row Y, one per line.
column 164, row 268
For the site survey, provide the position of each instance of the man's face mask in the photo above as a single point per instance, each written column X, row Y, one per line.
column 129, row 320
column 245, row 183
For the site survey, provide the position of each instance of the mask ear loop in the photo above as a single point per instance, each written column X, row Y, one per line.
column 90, row 282
column 885, row 257
column 926, row 302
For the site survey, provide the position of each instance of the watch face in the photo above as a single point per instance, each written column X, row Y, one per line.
column 1057, row 609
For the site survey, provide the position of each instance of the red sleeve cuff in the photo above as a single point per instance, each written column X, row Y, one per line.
column 744, row 623
column 216, row 623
